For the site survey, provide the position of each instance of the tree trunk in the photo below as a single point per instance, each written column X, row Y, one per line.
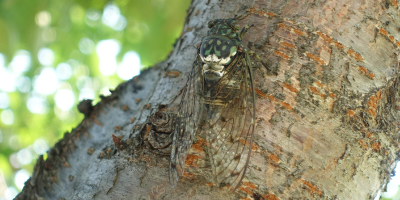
column 327, row 119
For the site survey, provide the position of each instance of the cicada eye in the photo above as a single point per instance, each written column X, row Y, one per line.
column 237, row 27
column 211, row 23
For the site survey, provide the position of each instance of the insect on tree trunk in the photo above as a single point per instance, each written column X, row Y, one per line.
column 327, row 111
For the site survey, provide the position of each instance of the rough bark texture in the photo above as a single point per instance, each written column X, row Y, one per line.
column 327, row 111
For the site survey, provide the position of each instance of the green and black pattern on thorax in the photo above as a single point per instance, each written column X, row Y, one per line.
column 219, row 48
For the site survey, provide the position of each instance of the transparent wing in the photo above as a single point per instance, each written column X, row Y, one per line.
column 230, row 126
column 186, row 125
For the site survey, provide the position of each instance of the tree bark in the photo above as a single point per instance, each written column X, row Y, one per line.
column 328, row 110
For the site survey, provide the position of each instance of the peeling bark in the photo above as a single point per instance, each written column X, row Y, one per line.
column 327, row 111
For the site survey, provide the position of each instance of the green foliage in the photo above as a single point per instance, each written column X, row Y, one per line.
column 149, row 28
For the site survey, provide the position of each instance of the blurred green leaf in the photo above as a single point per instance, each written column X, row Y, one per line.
column 149, row 28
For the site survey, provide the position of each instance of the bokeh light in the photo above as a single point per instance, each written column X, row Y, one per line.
column 130, row 65
column 64, row 71
column 73, row 50
column 4, row 100
column 7, row 80
column 37, row 105
column 64, row 99
column 86, row 46
column 21, row 62
column 21, row 177
column 23, row 84
column 43, row 19
column 107, row 51
column 7, row 117
column 46, row 82
column 46, row 56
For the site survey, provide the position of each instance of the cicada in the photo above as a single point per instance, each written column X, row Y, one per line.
column 218, row 102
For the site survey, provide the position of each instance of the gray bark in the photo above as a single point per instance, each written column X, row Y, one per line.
column 327, row 111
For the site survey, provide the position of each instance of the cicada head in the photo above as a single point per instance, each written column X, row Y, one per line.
column 219, row 48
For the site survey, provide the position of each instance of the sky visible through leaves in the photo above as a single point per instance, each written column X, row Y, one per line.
column 54, row 54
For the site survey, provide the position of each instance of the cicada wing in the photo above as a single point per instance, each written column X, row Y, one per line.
column 186, row 126
column 230, row 128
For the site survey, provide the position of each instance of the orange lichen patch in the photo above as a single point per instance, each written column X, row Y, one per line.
column 281, row 54
column 358, row 57
column 254, row 147
column 398, row 44
column 379, row 95
column 172, row 74
column 386, row 153
column 376, row 146
column 339, row 45
column 391, row 38
column 138, row 100
column 286, row 105
column 66, row 164
column 97, row 122
column 316, row 58
column 312, row 187
column 325, row 37
column 270, row 197
column 259, row 92
column 369, row 135
column 116, row 140
column 284, row 26
column 245, row 142
column 191, row 160
column 260, row 12
column 351, row 113
column 372, row 104
column 188, row 175
column 198, row 145
column 124, row 107
column 362, row 144
column 394, row 3
column 290, row 87
column 252, row 9
column 148, row 127
column 271, row 97
column 210, row 184
column 271, row 14
column 363, row 70
column 373, row 99
column 372, row 112
column 299, row 32
column 314, row 89
column 352, row 53
column 288, row 45
column 366, row 72
column 273, row 157
column 383, row 31
column 250, row 185
column 132, row 120
column 117, row 128
column 331, row 94
column 319, row 84
column 245, row 190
